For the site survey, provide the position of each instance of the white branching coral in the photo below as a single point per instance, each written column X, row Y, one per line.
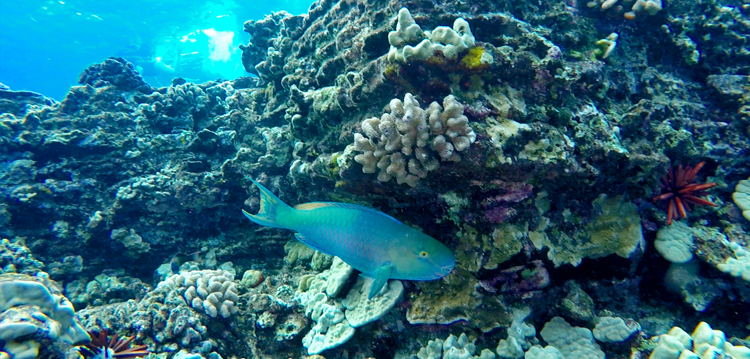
column 407, row 141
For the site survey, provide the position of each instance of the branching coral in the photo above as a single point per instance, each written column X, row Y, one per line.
column 407, row 141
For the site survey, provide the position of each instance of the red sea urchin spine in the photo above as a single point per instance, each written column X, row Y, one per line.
column 670, row 212
column 694, row 187
column 690, row 173
column 680, row 207
column 663, row 196
column 680, row 192
column 701, row 201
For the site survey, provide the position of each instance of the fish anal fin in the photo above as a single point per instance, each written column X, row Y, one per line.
column 379, row 279
column 310, row 243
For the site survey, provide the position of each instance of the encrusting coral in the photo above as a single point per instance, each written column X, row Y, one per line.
column 675, row 242
column 407, row 141
column 704, row 342
column 336, row 319
column 36, row 319
column 453, row 347
column 741, row 197
column 572, row 342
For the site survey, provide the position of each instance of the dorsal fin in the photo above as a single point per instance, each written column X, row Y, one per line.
column 315, row 205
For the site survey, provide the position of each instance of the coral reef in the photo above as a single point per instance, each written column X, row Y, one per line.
column 15, row 257
column 613, row 329
column 107, row 287
column 521, row 336
column 675, row 242
column 698, row 291
column 163, row 318
column 564, row 116
column 651, row 7
column 739, row 264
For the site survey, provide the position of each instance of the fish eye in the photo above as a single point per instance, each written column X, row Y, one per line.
column 423, row 254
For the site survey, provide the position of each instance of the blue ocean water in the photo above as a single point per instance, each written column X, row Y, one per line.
column 44, row 45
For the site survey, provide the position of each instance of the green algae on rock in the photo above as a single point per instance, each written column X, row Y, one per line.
column 615, row 229
column 455, row 299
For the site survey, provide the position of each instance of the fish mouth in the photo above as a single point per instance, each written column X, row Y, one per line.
column 444, row 271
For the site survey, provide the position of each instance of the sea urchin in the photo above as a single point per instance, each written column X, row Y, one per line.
column 103, row 347
column 678, row 188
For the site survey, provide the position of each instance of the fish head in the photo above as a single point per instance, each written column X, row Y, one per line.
column 423, row 258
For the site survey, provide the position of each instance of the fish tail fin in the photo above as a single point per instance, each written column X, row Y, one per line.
column 270, row 208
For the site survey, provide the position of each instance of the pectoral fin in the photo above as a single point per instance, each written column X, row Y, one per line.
column 380, row 279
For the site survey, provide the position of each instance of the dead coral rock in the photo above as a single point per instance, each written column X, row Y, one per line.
column 117, row 72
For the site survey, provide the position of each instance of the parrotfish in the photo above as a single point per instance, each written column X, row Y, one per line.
column 372, row 242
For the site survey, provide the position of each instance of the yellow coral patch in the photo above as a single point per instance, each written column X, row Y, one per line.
column 476, row 59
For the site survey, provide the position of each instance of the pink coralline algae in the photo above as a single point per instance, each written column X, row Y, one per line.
column 477, row 110
column 499, row 214
column 514, row 192
column 519, row 280
column 499, row 207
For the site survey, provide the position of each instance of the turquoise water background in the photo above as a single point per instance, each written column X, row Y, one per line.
column 44, row 45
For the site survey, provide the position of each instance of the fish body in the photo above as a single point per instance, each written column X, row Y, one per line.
column 370, row 241
column 181, row 258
